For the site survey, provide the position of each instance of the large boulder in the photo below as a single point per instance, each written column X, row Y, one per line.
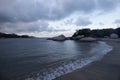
column 114, row 36
column 58, row 38
column 88, row 39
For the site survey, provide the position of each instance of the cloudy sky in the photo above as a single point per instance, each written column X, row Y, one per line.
column 46, row 18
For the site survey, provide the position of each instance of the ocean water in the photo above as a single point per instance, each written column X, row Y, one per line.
column 41, row 59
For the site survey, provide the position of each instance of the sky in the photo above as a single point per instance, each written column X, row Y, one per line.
column 48, row 18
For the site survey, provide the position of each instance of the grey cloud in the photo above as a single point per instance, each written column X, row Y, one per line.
column 24, row 27
column 23, row 15
column 101, row 24
column 85, row 6
column 117, row 21
column 107, row 5
column 32, row 10
column 83, row 22
column 30, row 27
column 6, row 18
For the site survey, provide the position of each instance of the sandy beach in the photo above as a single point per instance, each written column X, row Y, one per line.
column 108, row 68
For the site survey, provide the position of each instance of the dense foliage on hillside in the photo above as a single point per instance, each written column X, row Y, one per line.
column 4, row 35
column 100, row 33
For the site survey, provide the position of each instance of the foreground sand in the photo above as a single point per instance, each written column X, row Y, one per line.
column 106, row 69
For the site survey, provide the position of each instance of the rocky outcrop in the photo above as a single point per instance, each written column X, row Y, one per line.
column 88, row 39
column 78, row 37
column 58, row 38
column 114, row 36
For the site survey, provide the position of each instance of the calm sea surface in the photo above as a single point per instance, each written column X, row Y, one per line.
column 41, row 59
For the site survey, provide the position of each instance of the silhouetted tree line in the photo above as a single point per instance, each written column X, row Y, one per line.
column 100, row 33
column 4, row 35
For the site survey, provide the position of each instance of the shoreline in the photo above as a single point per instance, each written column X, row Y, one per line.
column 76, row 64
column 108, row 68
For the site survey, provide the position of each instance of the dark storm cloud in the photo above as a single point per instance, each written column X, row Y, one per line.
column 5, row 18
column 23, row 15
column 32, row 10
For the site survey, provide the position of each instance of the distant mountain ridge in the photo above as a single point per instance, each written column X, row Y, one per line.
column 5, row 35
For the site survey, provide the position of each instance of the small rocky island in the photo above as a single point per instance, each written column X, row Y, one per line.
column 90, row 35
column 58, row 38
column 5, row 35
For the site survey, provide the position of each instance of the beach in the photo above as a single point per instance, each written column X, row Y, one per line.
column 108, row 68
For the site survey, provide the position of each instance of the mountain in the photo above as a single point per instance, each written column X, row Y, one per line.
column 5, row 35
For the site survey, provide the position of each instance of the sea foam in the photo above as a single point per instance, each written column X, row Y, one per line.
column 65, row 68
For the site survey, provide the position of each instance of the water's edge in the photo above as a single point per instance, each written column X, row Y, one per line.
column 74, row 65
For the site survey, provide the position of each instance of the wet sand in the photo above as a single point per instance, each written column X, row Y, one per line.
column 108, row 68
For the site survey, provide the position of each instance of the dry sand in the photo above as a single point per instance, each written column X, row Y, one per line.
column 108, row 68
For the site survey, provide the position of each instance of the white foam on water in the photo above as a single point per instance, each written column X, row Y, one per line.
column 100, row 51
